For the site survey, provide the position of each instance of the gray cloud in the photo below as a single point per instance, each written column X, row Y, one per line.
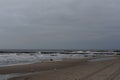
column 60, row 24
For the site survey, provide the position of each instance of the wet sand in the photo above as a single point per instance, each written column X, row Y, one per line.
column 68, row 70
column 41, row 66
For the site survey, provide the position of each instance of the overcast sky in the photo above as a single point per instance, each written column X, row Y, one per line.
column 60, row 24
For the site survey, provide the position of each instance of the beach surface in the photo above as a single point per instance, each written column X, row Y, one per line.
column 79, row 69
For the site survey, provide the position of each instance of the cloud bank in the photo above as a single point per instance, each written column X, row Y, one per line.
column 69, row 24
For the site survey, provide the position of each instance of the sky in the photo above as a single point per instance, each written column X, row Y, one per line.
column 59, row 24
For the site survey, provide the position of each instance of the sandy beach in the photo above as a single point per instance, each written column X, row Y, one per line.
column 67, row 70
column 41, row 66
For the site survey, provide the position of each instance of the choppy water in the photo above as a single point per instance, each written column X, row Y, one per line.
column 16, row 59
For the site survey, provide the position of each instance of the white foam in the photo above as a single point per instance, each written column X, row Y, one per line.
column 8, row 76
column 17, row 59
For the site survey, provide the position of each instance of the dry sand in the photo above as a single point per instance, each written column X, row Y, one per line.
column 68, row 70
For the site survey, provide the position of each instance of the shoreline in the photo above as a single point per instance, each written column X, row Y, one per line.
column 40, row 66
column 47, row 70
